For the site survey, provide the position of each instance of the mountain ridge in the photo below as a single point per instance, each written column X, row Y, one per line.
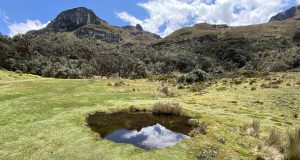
column 291, row 13
column 84, row 23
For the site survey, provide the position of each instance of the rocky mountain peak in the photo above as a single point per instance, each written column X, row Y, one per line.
column 292, row 13
column 73, row 19
column 139, row 27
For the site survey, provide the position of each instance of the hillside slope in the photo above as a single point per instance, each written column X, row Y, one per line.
column 78, row 44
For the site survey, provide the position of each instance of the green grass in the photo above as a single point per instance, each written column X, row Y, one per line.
column 44, row 118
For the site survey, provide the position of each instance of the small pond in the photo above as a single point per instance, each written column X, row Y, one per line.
column 144, row 130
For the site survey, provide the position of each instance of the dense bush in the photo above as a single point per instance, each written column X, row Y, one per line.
column 62, row 55
column 279, row 67
column 197, row 75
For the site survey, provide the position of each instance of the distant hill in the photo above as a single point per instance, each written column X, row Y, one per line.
column 292, row 13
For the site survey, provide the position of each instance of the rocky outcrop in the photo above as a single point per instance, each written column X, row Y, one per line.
column 98, row 34
column 139, row 27
column 73, row 19
column 292, row 13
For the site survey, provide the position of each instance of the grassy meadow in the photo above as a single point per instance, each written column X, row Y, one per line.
column 44, row 118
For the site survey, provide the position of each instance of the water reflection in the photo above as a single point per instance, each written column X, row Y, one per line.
column 156, row 136
column 144, row 130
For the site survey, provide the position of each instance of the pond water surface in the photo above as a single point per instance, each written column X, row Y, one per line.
column 144, row 130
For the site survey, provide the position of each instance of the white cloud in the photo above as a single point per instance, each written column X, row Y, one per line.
column 128, row 18
column 22, row 28
column 3, row 16
column 166, row 16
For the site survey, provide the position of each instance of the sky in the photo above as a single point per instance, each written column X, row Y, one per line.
column 158, row 16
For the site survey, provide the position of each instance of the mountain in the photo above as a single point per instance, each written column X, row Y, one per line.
column 78, row 44
column 84, row 23
column 292, row 13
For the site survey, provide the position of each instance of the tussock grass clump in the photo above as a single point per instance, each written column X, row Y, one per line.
column 252, row 81
column 274, row 138
column 293, row 149
column 198, row 87
column 237, row 81
column 221, row 89
column 277, row 81
column 253, row 88
column 119, row 83
column 270, row 85
column 165, row 91
column 166, row 108
column 199, row 129
column 269, row 153
column 254, row 128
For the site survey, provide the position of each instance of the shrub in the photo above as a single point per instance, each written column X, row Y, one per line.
column 197, row 75
column 279, row 67
column 180, row 86
column 251, row 73
column 185, row 63
column 207, row 154
column 166, row 108
column 191, row 78
column 296, row 61
column 293, row 149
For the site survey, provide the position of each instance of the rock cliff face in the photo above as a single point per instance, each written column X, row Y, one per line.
column 86, row 32
column 292, row 13
column 73, row 19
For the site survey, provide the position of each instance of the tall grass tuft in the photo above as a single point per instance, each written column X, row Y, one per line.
column 274, row 138
column 166, row 108
column 293, row 149
column 256, row 127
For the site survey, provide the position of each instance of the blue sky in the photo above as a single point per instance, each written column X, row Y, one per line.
column 159, row 16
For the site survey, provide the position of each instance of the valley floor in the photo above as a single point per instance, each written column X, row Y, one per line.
column 44, row 118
